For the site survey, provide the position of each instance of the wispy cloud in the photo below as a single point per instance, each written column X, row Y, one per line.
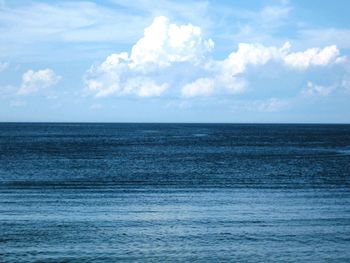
column 66, row 21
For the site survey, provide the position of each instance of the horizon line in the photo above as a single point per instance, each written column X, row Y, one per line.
column 218, row 123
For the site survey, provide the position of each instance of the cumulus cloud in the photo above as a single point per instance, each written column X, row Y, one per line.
column 152, row 66
column 115, row 76
column 228, row 71
column 162, row 45
column 256, row 54
column 246, row 54
column 144, row 87
column 33, row 81
column 313, row 57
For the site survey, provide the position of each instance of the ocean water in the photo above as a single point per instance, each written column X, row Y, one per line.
column 174, row 193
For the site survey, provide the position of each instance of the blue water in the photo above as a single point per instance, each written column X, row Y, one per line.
column 174, row 193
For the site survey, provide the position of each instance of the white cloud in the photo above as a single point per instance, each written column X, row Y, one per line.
column 152, row 66
column 228, row 71
column 313, row 57
column 105, row 79
column 115, row 76
column 247, row 54
column 33, row 81
column 257, row 54
column 200, row 87
column 144, row 87
column 236, row 64
column 318, row 90
column 162, row 45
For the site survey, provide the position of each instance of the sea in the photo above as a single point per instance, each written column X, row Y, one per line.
column 134, row 192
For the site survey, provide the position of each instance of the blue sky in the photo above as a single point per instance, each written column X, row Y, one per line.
column 175, row 61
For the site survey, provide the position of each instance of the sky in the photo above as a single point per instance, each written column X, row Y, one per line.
column 258, row 61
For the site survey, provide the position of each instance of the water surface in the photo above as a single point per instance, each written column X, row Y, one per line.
column 174, row 192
